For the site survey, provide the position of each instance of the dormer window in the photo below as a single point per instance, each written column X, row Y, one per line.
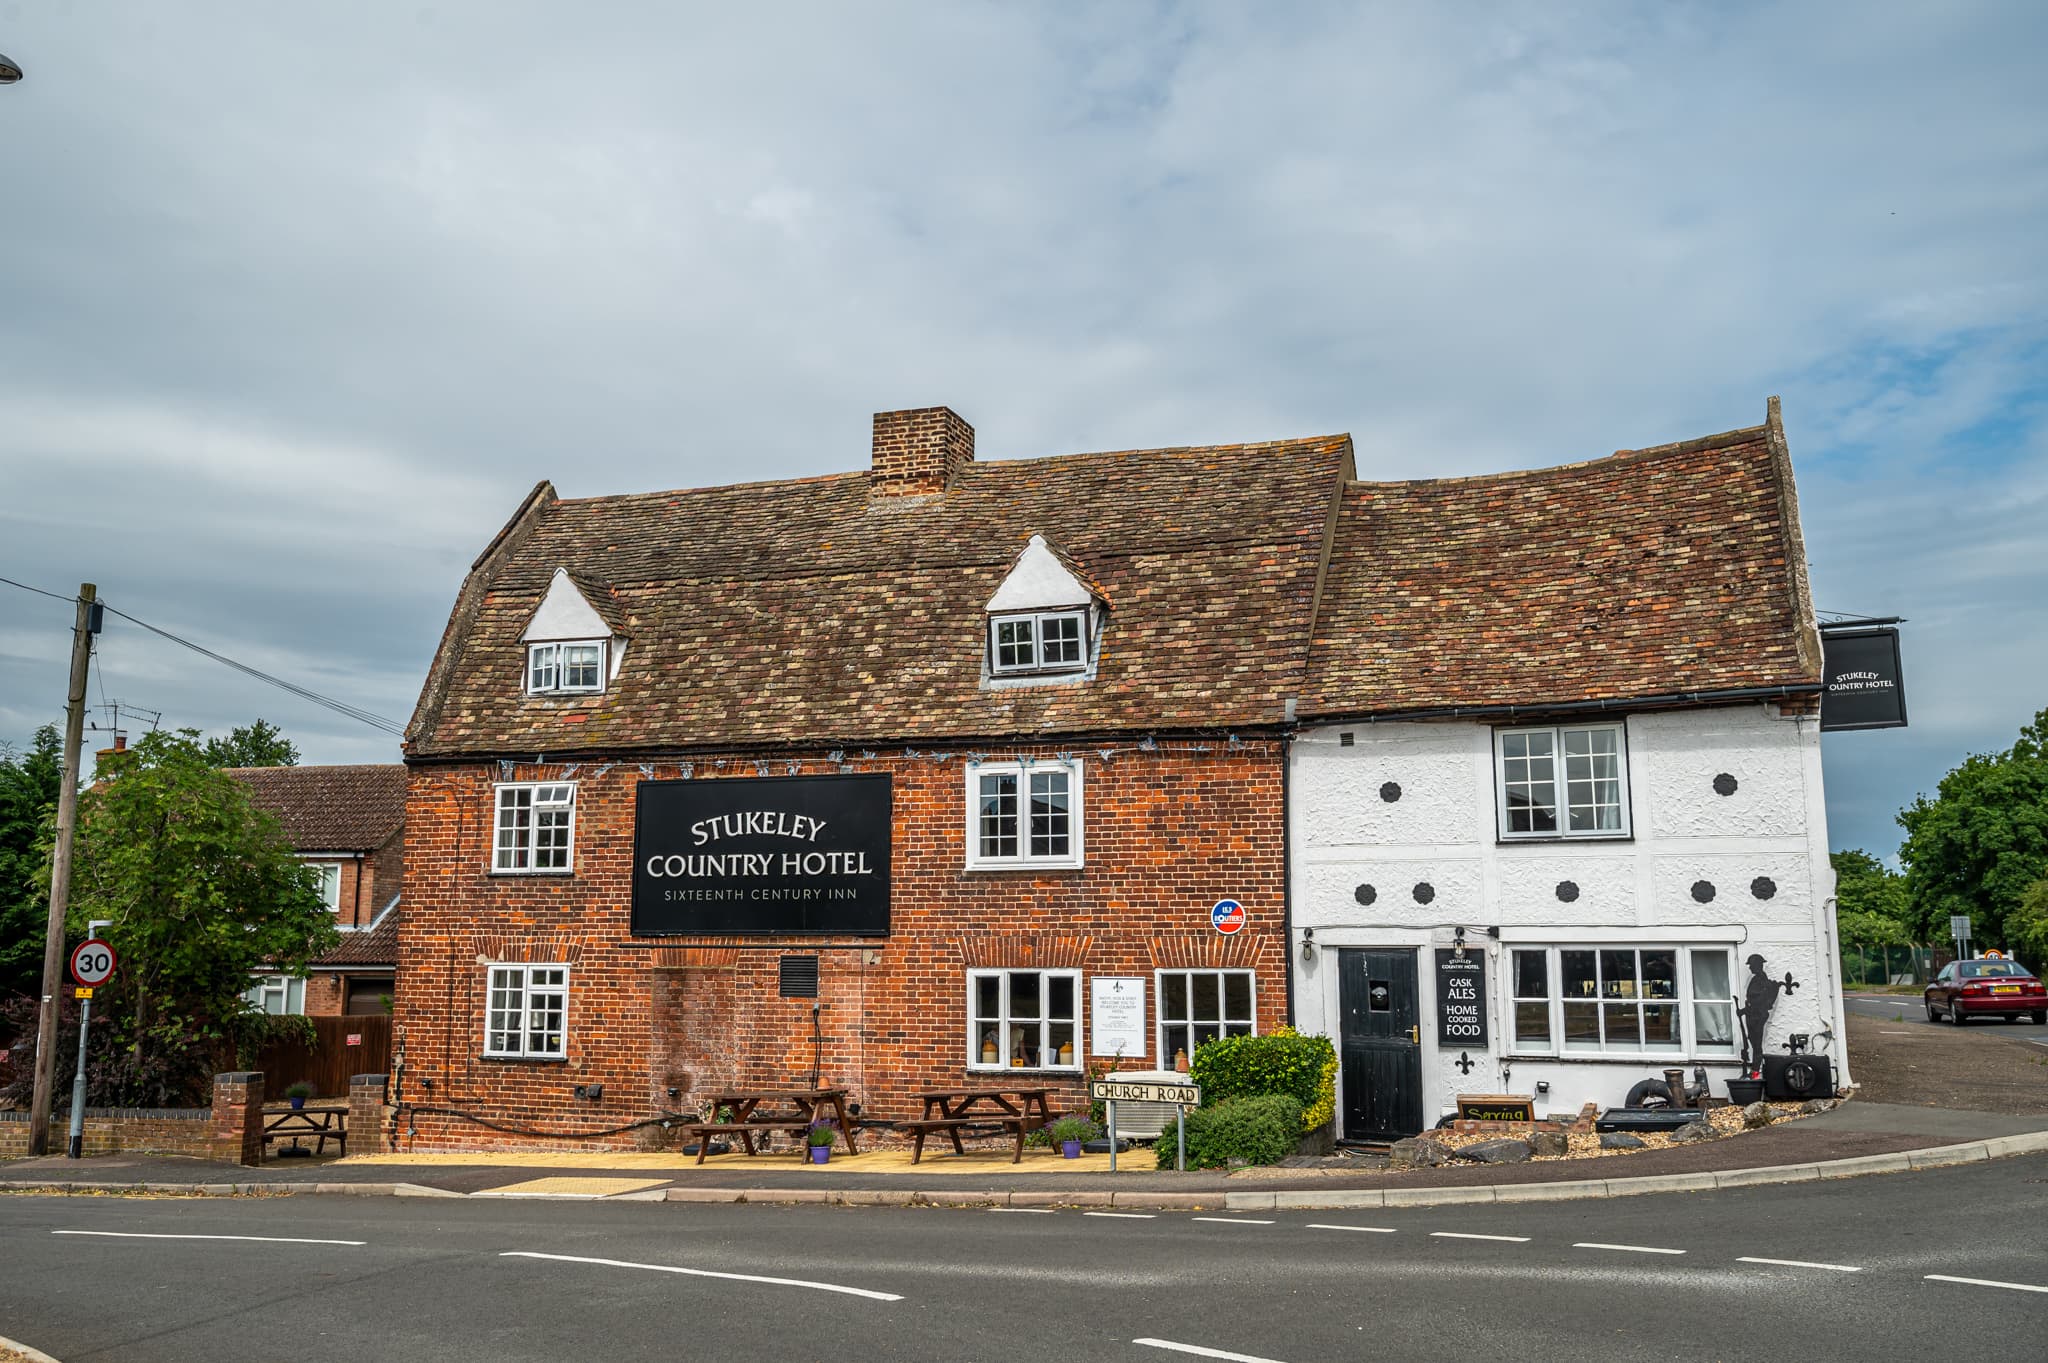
column 565, row 667
column 570, row 648
column 1054, row 641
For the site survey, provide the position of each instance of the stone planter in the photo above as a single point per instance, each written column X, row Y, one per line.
column 1321, row 1141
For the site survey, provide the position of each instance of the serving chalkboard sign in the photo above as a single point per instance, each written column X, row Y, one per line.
column 1461, row 999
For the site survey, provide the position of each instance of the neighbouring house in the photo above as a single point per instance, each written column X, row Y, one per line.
column 348, row 823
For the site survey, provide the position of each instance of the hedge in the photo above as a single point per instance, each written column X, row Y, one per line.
column 1258, row 1130
column 1282, row 1061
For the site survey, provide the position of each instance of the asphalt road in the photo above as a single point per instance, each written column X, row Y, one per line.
column 1867, row 1272
column 1909, row 1010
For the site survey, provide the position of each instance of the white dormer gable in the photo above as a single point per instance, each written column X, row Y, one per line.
column 565, row 613
column 1039, row 581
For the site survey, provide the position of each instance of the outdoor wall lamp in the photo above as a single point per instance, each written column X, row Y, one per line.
column 10, row 71
column 1308, row 946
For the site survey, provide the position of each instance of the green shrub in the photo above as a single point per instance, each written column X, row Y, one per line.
column 1282, row 1061
column 1259, row 1130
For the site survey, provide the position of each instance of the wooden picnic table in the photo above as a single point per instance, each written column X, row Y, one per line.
column 805, row 1108
column 326, row 1122
column 948, row 1111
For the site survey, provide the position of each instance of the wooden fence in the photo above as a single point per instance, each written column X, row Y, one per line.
column 333, row 1060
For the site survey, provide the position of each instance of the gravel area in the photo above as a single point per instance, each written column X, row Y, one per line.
column 1978, row 1067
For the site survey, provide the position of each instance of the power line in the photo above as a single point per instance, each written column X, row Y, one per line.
column 54, row 596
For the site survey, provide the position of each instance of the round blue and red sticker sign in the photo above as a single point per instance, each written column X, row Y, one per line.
column 1227, row 917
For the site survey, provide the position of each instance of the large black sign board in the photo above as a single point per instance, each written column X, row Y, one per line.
column 1461, row 999
column 1864, row 686
column 762, row 855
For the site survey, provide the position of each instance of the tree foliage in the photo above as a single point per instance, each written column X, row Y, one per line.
column 1870, row 900
column 29, row 783
column 2027, row 926
column 1982, row 842
column 261, row 744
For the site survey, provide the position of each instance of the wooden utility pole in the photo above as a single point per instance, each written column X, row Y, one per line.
column 60, row 874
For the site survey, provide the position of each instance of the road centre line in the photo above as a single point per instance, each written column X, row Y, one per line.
column 1467, row 1235
column 1373, row 1230
column 704, row 1273
column 1800, row 1263
column 1984, row 1282
column 1126, row 1216
column 1200, row 1352
column 1624, row 1249
column 1231, row 1220
column 264, row 1239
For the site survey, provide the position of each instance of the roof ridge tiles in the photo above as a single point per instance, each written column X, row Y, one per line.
column 1747, row 435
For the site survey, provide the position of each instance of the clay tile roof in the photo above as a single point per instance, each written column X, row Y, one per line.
column 375, row 945
column 807, row 610
column 331, row 809
column 1648, row 573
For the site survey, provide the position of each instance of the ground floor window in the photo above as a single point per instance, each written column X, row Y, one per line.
column 1622, row 1000
column 1201, row 1005
column 528, row 1012
column 1024, row 1019
column 277, row 994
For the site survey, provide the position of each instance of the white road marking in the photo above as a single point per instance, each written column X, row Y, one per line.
column 1624, row 1249
column 1034, row 1211
column 1125, row 1216
column 1200, row 1352
column 1800, row 1263
column 1984, row 1282
column 703, row 1273
column 265, row 1239
column 1464, row 1235
column 1231, row 1220
column 1373, row 1230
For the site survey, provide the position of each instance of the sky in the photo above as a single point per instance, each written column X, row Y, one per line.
column 297, row 302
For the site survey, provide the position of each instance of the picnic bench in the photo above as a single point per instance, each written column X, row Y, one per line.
column 948, row 1112
column 790, row 1110
column 327, row 1122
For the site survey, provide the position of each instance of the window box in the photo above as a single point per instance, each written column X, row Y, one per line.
column 1024, row 1019
column 535, row 829
column 1667, row 1002
column 1201, row 1005
column 526, row 1013
column 1562, row 781
column 1023, row 815
column 565, row 668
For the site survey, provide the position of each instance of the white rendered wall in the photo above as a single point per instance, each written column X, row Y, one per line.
column 1440, row 832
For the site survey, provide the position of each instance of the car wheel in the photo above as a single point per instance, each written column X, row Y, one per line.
column 1932, row 1016
column 2040, row 1018
column 1955, row 1013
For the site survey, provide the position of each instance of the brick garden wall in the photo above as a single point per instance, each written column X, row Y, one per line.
column 1166, row 835
column 108, row 1131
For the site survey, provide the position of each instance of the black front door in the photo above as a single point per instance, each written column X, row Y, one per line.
column 1379, row 1045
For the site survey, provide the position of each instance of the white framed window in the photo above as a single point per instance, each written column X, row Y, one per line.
column 535, row 827
column 277, row 994
column 1562, row 781
column 527, row 1013
column 1023, row 814
column 1045, row 641
column 1201, row 1005
column 329, row 873
column 1024, row 1019
column 1667, row 1001
column 565, row 667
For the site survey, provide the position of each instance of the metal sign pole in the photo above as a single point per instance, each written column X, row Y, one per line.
column 1111, row 1104
column 1180, row 1139
column 78, row 1083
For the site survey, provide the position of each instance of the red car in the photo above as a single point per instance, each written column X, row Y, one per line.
column 1986, row 988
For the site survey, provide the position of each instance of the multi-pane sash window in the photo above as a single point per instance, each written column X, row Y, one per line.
column 1569, row 781
column 1024, row 814
column 1050, row 642
column 1024, row 1019
column 527, row 1012
column 278, row 994
column 1622, row 1000
column 535, row 827
column 1201, row 1005
column 564, row 667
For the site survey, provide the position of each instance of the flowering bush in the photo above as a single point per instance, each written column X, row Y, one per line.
column 821, row 1133
column 1073, row 1127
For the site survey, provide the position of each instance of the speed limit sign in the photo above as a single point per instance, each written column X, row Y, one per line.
column 92, row 962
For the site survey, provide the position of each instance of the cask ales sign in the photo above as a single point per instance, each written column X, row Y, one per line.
column 1461, row 999
column 762, row 855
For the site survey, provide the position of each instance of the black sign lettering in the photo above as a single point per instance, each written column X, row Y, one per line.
column 1865, row 687
column 1461, row 1000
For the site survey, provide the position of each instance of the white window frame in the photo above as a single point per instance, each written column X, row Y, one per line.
column 529, row 1042
column 330, row 883
column 1008, row 1023
column 1560, row 781
column 1037, row 664
column 1073, row 857
column 289, row 989
column 547, row 667
column 1689, row 1004
column 1225, row 1024
column 517, row 858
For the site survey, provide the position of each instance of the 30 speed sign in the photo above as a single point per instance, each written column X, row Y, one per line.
column 92, row 962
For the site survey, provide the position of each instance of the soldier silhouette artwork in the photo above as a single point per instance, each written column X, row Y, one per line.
column 1758, row 999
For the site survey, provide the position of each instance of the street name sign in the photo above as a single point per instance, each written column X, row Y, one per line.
column 1141, row 1091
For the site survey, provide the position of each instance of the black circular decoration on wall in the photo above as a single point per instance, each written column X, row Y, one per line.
column 1763, row 887
column 1391, row 791
column 1424, row 892
column 1703, row 891
column 1567, row 891
column 1365, row 894
column 1724, row 784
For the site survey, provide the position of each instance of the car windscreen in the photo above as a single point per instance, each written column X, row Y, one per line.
column 1985, row 970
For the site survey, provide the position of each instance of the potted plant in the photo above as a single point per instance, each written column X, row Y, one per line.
column 1070, row 1131
column 298, row 1093
column 820, row 1138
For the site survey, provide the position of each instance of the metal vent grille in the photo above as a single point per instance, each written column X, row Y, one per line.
column 799, row 977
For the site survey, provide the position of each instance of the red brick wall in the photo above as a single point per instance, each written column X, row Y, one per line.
column 1166, row 835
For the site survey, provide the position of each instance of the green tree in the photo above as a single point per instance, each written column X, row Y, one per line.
column 1870, row 900
column 261, row 744
column 1982, row 842
column 29, row 783
column 201, row 890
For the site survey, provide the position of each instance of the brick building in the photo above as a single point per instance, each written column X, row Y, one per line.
column 916, row 759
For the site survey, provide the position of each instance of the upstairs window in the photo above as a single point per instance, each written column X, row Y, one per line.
column 536, row 827
column 1564, row 781
column 552, row 669
column 1050, row 641
column 329, row 874
column 1023, row 814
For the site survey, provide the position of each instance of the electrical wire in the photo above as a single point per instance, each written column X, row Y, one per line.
column 54, row 596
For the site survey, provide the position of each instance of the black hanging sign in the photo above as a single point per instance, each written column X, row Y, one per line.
column 763, row 855
column 1461, row 999
column 1864, row 687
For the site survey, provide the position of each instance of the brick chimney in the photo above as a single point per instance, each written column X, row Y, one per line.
column 918, row 451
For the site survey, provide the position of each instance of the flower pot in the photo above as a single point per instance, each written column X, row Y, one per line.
column 820, row 1153
column 1070, row 1149
column 1743, row 1092
column 297, row 1103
